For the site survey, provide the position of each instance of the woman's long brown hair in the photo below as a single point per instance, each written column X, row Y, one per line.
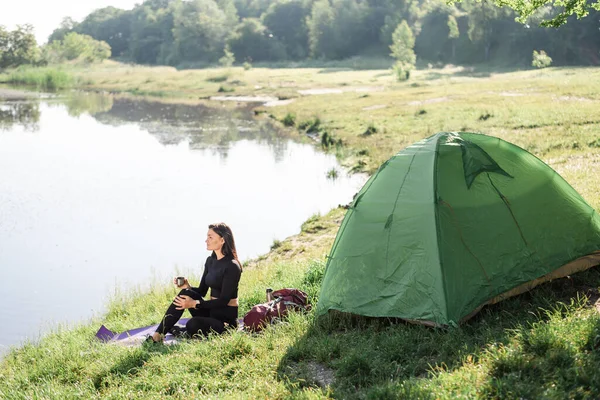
column 228, row 248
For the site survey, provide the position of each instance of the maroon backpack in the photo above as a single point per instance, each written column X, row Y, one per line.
column 284, row 299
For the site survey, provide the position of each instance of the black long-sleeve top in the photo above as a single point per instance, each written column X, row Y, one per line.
column 222, row 277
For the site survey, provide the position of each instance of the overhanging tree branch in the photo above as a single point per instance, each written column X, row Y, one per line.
column 564, row 9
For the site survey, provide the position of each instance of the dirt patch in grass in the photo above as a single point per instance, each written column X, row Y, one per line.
column 322, row 375
column 375, row 107
column 245, row 99
column 511, row 94
column 277, row 103
column 357, row 89
column 312, row 373
column 428, row 101
column 573, row 98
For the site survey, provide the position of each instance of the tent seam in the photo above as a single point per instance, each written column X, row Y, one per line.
column 508, row 206
column 437, row 222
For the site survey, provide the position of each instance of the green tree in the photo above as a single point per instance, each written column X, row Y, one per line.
column 228, row 57
column 252, row 8
column 230, row 11
column 286, row 20
column 489, row 24
column 67, row 25
column 199, row 30
column 18, row 47
column 320, row 31
column 111, row 25
column 4, row 46
column 561, row 9
column 411, row 11
column 402, row 50
column 541, row 59
column 77, row 47
column 349, row 31
column 152, row 40
column 373, row 21
column 251, row 42
column 403, row 42
column 453, row 34
column 439, row 34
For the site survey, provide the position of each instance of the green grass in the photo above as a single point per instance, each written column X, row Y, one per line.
column 542, row 344
column 40, row 78
column 289, row 120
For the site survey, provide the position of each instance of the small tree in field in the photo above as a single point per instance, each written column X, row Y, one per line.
column 541, row 59
column 403, row 42
column 228, row 58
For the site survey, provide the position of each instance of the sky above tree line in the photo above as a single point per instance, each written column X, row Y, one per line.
column 45, row 16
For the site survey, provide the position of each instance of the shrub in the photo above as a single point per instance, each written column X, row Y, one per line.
column 328, row 140
column 541, row 59
column 332, row 174
column 314, row 126
column 228, row 58
column 247, row 66
column 311, row 126
column 402, row 71
column 358, row 167
column 218, row 78
column 485, row 117
column 371, row 129
column 289, row 119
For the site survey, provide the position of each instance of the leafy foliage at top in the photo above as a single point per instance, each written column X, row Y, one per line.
column 566, row 8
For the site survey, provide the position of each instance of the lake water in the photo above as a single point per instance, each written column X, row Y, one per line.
column 99, row 193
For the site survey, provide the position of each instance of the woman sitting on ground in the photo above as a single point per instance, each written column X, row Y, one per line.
column 222, row 272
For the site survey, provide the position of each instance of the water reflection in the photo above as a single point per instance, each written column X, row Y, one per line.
column 79, row 103
column 23, row 113
column 201, row 126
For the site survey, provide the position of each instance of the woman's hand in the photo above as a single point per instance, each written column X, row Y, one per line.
column 186, row 284
column 182, row 302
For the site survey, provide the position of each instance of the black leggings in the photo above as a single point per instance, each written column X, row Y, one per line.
column 203, row 320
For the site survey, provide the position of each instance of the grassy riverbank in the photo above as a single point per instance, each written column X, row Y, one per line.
column 39, row 78
column 542, row 344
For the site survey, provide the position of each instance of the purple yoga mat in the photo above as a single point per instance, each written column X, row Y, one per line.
column 135, row 336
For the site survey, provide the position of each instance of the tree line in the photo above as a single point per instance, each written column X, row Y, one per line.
column 202, row 32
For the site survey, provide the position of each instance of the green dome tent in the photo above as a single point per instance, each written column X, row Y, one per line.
column 452, row 223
